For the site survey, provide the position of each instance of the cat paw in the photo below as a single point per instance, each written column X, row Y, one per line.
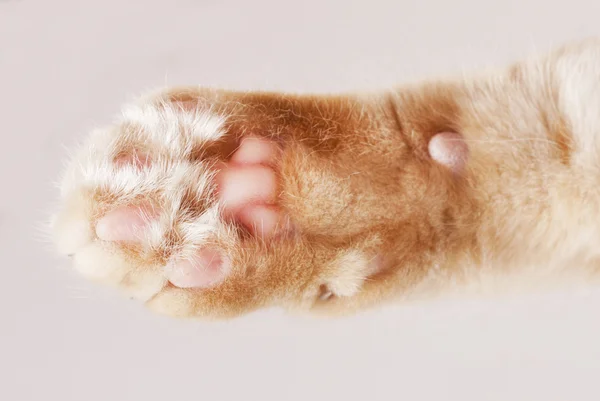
column 208, row 203
column 179, row 209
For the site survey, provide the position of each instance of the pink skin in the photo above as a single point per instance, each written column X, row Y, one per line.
column 450, row 150
column 247, row 190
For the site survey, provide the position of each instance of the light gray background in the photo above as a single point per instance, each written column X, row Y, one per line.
column 66, row 66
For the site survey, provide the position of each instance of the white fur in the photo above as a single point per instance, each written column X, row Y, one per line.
column 173, row 126
column 578, row 75
column 350, row 269
column 168, row 133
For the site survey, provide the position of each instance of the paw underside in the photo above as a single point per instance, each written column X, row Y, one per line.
column 200, row 204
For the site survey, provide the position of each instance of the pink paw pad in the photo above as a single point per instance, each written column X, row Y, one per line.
column 206, row 268
column 247, row 192
column 450, row 150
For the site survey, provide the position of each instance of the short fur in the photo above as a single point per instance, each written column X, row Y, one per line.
column 360, row 186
